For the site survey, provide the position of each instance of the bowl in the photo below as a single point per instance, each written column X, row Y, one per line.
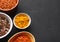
column 13, row 38
column 10, row 22
column 8, row 9
column 23, row 18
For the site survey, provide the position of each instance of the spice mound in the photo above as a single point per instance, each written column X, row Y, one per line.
column 23, row 38
column 7, row 4
column 21, row 20
column 4, row 25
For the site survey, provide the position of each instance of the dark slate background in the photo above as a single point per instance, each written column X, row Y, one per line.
column 45, row 16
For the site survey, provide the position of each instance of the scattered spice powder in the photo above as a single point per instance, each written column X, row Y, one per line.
column 21, row 20
column 23, row 38
column 7, row 4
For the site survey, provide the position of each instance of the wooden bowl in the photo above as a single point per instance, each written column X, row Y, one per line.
column 22, row 33
column 10, row 8
column 28, row 22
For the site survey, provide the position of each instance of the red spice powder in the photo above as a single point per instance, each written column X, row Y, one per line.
column 23, row 39
column 7, row 4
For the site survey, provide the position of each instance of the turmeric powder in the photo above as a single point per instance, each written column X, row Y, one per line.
column 21, row 20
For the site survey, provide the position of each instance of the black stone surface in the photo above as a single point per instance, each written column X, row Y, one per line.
column 45, row 16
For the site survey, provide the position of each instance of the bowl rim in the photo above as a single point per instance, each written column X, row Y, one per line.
column 28, row 23
column 23, row 32
column 11, row 25
column 11, row 8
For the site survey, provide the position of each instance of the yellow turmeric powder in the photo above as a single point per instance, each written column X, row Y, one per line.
column 21, row 20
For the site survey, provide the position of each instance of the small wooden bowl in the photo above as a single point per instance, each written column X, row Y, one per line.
column 28, row 22
column 22, row 33
column 11, row 8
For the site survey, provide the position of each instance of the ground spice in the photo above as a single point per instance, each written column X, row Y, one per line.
column 21, row 20
column 7, row 4
column 23, row 38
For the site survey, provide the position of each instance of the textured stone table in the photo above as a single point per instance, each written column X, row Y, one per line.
column 45, row 16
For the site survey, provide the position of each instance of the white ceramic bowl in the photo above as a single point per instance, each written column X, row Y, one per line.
column 22, row 33
column 25, row 26
column 11, row 8
column 11, row 24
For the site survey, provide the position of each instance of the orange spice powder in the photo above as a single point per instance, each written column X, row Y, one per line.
column 7, row 4
column 23, row 38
